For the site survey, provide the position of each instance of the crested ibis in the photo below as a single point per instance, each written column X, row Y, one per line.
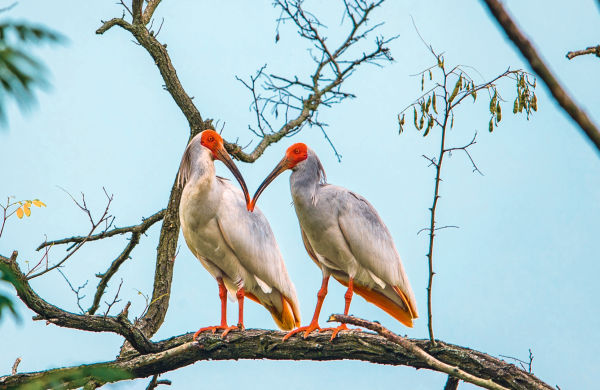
column 236, row 247
column 345, row 236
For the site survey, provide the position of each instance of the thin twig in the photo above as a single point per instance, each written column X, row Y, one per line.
column 589, row 50
column 15, row 366
column 76, row 291
column 115, row 300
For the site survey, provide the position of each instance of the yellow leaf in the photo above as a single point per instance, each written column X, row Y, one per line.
column 27, row 210
column 20, row 213
column 28, row 203
column 38, row 203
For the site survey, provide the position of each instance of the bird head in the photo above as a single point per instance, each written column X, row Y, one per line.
column 211, row 140
column 294, row 155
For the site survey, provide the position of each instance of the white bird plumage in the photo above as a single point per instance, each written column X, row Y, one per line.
column 345, row 236
column 235, row 246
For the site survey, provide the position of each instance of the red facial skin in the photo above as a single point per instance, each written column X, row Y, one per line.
column 211, row 140
column 295, row 154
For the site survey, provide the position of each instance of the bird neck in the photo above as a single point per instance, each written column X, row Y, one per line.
column 306, row 179
column 202, row 170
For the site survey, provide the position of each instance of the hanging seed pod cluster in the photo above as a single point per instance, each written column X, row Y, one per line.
column 444, row 89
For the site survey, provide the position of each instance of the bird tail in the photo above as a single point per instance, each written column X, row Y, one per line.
column 404, row 312
column 286, row 318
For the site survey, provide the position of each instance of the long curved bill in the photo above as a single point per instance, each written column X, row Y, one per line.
column 224, row 156
column 282, row 166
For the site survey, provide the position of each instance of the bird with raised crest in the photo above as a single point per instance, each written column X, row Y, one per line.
column 236, row 247
column 345, row 236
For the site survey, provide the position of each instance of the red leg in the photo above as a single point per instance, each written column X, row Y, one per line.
column 223, row 297
column 314, row 324
column 240, row 294
column 348, row 299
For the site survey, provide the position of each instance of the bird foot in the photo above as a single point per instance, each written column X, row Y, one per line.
column 230, row 328
column 226, row 329
column 337, row 330
column 306, row 329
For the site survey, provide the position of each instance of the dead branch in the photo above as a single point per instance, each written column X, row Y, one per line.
column 180, row 351
column 45, row 311
column 430, row 361
column 589, row 50
column 451, row 383
column 115, row 299
column 323, row 87
column 141, row 228
column 15, row 366
column 75, row 291
column 540, row 68
column 154, row 382
column 104, row 218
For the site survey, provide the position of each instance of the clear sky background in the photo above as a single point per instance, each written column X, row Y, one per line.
column 520, row 273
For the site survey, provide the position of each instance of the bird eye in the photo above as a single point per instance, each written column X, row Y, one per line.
column 211, row 138
column 297, row 151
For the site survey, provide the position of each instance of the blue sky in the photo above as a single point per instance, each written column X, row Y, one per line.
column 519, row 273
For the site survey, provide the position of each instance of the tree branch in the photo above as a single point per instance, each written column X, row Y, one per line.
column 331, row 70
column 167, row 245
column 141, row 228
column 119, row 324
column 161, row 58
column 180, row 351
column 589, row 50
column 540, row 68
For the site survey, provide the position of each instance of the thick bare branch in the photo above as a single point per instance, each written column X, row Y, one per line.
column 161, row 58
column 149, row 11
column 119, row 324
column 167, row 246
column 539, row 67
column 588, row 50
column 180, row 351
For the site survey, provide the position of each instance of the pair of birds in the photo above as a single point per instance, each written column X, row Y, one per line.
column 341, row 231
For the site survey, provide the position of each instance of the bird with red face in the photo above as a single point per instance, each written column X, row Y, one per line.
column 236, row 247
column 345, row 236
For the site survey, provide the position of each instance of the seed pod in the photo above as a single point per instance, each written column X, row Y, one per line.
column 433, row 102
column 534, row 103
column 454, row 91
column 498, row 113
column 423, row 81
column 415, row 118
column 491, row 127
column 516, row 106
column 430, row 75
column 421, row 122
column 493, row 103
column 428, row 104
column 429, row 126
column 474, row 94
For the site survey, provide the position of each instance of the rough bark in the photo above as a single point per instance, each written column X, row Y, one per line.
column 94, row 323
column 180, row 351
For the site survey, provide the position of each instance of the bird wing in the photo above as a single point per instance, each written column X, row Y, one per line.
column 372, row 246
column 250, row 237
